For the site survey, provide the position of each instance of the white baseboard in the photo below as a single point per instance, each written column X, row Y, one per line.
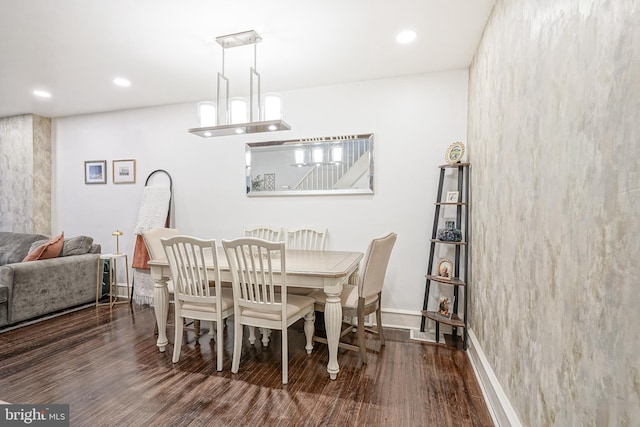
column 500, row 408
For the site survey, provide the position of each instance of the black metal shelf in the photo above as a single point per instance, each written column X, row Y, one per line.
column 461, row 259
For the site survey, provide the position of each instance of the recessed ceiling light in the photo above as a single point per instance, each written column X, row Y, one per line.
column 406, row 36
column 119, row 81
column 42, row 94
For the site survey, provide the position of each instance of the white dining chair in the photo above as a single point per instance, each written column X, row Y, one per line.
column 306, row 238
column 365, row 297
column 272, row 234
column 258, row 271
column 194, row 297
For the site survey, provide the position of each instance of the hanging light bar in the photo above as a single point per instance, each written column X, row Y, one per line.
column 224, row 124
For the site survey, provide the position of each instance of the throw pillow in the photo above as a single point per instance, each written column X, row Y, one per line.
column 50, row 249
column 35, row 245
column 79, row 245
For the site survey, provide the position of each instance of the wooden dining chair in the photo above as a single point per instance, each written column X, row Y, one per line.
column 306, row 238
column 363, row 298
column 258, row 271
column 272, row 234
column 194, row 297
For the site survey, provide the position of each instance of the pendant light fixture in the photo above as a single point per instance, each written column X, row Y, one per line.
column 225, row 124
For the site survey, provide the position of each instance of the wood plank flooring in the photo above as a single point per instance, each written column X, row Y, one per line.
column 110, row 372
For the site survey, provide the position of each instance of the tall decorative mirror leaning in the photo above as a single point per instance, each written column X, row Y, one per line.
column 325, row 165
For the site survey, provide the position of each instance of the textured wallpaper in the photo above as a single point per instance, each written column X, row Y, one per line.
column 554, row 139
column 42, row 176
column 25, row 174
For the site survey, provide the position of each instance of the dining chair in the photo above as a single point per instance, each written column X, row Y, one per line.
column 258, row 272
column 306, row 238
column 363, row 298
column 194, row 297
column 271, row 234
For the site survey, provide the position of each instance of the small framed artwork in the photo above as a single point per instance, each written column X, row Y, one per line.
column 445, row 306
column 445, row 269
column 95, row 172
column 452, row 196
column 124, row 171
column 454, row 153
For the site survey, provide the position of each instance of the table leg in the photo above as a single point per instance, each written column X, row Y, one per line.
column 332, row 322
column 160, row 306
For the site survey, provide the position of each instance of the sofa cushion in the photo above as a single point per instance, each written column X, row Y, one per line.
column 15, row 246
column 35, row 245
column 79, row 245
column 50, row 249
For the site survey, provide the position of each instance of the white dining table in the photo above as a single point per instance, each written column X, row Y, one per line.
column 327, row 270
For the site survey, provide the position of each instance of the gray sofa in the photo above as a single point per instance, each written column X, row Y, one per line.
column 35, row 288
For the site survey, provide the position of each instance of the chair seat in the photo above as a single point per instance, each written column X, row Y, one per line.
column 295, row 304
column 348, row 297
column 226, row 301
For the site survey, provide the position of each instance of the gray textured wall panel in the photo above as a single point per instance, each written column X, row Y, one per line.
column 554, row 102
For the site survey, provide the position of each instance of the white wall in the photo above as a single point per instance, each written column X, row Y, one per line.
column 414, row 119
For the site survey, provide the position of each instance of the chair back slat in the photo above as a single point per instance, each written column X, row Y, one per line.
column 187, row 257
column 306, row 239
column 257, row 268
column 271, row 234
column 375, row 265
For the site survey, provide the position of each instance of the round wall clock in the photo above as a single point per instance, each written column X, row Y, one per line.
column 454, row 153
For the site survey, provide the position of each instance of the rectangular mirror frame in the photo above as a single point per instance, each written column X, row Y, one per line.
column 317, row 172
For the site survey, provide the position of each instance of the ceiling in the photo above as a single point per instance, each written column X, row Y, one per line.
column 166, row 48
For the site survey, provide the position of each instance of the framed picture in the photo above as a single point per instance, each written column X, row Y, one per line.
column 445, row 269
column 454, row 153
column 445, row 306
column 452, row 196
column 124, row 171
column 95, row 172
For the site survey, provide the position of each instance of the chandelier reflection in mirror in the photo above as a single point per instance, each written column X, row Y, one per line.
column 234, row 116
column 326, row 165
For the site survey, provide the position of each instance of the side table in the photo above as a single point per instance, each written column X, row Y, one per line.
column 113, row 279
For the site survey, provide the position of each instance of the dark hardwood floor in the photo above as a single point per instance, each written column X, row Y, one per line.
column 110, row 372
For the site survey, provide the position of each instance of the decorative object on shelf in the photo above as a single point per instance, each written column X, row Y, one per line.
column 256, row 183
column 445, row 306
column 124, row 171
column 449, row 233
column 454, row 153
column 269, row 183
column 445, row 269
column 452, row 196
column 117, row 233
column 265, row 115
column 95, row 172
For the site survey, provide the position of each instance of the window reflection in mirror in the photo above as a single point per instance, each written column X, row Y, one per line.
column 326, row 165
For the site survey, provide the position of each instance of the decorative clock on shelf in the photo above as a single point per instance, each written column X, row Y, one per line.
column 454, row 153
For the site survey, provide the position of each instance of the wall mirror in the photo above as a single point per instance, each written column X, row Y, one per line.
column 325, row 165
